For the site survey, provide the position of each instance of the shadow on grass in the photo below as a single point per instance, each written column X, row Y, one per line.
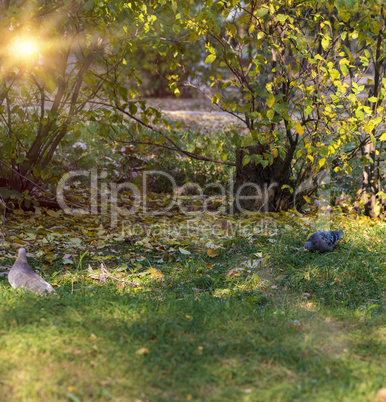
column 101, row 344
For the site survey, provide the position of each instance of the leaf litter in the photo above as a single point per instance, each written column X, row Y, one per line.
column 125, row 253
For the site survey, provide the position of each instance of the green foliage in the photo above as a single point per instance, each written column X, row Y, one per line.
column 307, row 82
column 165, row 62
column 125, row 162
column 297, row 75
column 47, row 83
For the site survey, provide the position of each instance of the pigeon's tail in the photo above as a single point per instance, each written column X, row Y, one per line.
column 45, row 287
column 337, row 235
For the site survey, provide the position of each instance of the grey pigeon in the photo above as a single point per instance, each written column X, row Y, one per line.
column 323, row 241
column 22, row 276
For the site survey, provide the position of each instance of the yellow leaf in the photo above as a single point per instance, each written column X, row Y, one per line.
column 142, row 351
column 52, row 213
column 307, row 198
column 377, row 209
column 270, row 100
column 212, row 253
column 325, row 43
column 189, row 317
column 105, row 257
column 382, row 137
column 210, row 59
column 299, row 129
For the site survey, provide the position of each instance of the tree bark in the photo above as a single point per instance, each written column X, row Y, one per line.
column 259, row 188
column 371, row 175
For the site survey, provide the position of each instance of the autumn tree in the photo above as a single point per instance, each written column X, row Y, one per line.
column 367, row 109
column 293, row 73
column 56, row 59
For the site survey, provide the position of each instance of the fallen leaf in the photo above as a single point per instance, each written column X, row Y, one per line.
column 212, row 253
column 51, row 213
column 233, row 271
column 142, row 351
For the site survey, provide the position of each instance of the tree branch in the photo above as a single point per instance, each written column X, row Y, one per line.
column 176, row 147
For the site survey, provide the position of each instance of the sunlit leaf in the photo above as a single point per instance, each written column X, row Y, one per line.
column 299, row 128
column 210, row 59
column 142, row 351
column 325, row 43
column 212, row 253
column 270, row 100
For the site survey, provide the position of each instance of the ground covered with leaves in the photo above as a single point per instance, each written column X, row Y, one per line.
column 193, row 307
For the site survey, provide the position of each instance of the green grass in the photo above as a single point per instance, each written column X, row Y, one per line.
column 296, row 327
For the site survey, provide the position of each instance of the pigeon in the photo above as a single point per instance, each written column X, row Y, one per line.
column 323, row 241
column 22, row 276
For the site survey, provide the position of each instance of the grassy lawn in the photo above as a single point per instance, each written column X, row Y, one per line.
column 286, row 325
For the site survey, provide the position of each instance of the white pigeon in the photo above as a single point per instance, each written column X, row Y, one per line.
column 21, row 275
column 323, row 241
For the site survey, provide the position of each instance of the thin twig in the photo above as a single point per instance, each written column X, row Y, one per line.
column 105, row 274
column 2, row 202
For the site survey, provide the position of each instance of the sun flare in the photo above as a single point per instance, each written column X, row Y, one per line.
column 24, row 48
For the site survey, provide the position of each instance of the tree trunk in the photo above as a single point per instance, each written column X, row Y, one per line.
column 368, row 186
column 372, row 176
column 259, row 188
